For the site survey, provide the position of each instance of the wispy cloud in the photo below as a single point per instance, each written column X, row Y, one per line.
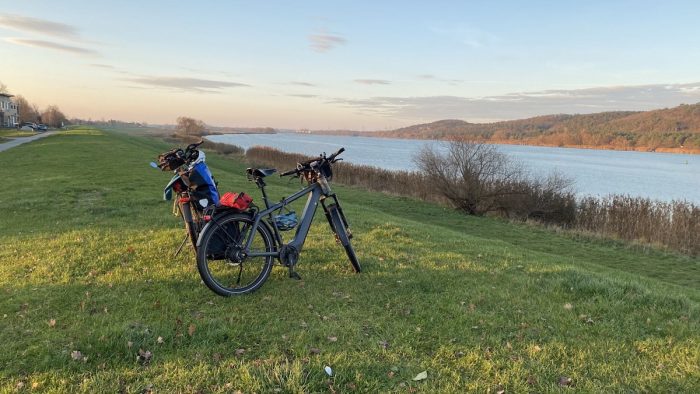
column 103, row 66
column 302, row 83
column 52, row 45
column 470, row 36
column 528, row 104
column 323, row 41
column 36, row 25
column 186, row 84
column 431, row 77
column 373, row 81
column 303, row 95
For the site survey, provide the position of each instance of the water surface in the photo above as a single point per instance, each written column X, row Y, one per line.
column 664, row 176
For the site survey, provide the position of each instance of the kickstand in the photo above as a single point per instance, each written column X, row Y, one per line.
column 177, row 252
column 293, row 274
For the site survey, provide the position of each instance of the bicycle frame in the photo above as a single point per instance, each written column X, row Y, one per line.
column 315, row 195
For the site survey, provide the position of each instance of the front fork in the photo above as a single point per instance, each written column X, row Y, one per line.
column 183, row 205
column 335, row 205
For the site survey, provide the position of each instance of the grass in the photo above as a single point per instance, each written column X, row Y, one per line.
column 482, row 305
column 14, row 133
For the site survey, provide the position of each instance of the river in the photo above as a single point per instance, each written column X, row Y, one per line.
column 663, row 176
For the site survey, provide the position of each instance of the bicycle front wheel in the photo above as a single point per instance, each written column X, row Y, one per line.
column 221, row 261
column 342, row 233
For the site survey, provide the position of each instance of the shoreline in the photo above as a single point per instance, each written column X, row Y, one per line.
column 648, row 149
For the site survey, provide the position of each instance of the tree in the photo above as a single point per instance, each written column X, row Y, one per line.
column 471, row 175
column 189, row 126
column 479, row 179
column 27, row 112
column 3, row 88
column 53, row 116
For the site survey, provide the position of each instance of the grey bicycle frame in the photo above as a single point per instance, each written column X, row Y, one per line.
column 315, row 193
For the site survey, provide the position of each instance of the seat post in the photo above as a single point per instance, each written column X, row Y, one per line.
column 261, row 185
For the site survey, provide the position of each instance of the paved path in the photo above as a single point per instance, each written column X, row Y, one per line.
column 19, row 141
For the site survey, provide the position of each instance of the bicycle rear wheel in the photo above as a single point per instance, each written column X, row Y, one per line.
column 341, row 232
column 221, row 262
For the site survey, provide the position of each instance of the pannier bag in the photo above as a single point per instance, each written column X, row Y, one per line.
column 240, row 201
column 203, row 183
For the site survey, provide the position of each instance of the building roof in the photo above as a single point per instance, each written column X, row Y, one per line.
column 6, row 95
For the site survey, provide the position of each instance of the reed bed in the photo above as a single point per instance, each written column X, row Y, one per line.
column 673, row 225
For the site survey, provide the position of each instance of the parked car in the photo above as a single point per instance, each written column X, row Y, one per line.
column 28, row 126
column 42, row 127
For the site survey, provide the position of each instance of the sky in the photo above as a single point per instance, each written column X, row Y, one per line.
column 363, row 65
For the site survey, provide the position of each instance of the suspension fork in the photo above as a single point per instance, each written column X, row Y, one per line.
column 335, row 205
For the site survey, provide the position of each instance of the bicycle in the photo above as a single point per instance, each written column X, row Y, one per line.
column 195, row 188
column 251, row 240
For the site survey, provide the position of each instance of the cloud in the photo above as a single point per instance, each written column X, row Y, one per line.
column 52, row 45
column 104, row 66
column 373, row 81
column 303, row 95
column 466, row 35
column 528, row 104
column 36, row 25
column 324, row 42
column 431, row 77
column 301, row 83
column 186, row 84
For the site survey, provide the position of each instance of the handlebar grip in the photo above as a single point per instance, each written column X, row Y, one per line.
column 334, row 155
column 290, row 172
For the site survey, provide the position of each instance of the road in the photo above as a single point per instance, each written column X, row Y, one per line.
column 19, row 141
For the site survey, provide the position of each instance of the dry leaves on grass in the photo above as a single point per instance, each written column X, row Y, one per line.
column 421, row 376
column 565, row 381
column 144, row 357
column 240, row 352
column 192, row 328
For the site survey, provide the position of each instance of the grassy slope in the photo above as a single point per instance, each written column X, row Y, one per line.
column 478, row 303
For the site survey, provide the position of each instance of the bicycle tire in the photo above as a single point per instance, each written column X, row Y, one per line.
column 342, row 233
column 215, row 263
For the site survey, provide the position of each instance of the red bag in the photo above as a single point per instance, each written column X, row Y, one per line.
column 239, row 201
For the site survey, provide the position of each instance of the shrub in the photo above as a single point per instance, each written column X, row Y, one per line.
column 674, row 224
column 478, row 179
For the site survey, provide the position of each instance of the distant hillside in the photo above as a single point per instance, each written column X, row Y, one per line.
column 673, row 129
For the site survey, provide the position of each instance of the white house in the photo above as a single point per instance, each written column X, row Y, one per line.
column 9, row 112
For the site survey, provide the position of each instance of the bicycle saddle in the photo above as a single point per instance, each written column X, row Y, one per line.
column 261, row 172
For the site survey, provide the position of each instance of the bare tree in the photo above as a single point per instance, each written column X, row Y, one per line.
column 3, row 88
column 53, row 116
column 471, row 175
column 27, row 112
column 189, row 126
column 477, row 179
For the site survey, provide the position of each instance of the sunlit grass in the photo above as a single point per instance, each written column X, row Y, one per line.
column 86, row 264
column 13, row 133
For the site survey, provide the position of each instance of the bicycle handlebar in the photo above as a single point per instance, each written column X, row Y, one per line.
column 333, row 156
column 290, row 172
column 307, row 164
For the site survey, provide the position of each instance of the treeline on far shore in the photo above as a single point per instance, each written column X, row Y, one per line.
column 671, row 225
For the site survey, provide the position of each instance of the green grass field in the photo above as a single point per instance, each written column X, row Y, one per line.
column 14, row 133
column 88, row 280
